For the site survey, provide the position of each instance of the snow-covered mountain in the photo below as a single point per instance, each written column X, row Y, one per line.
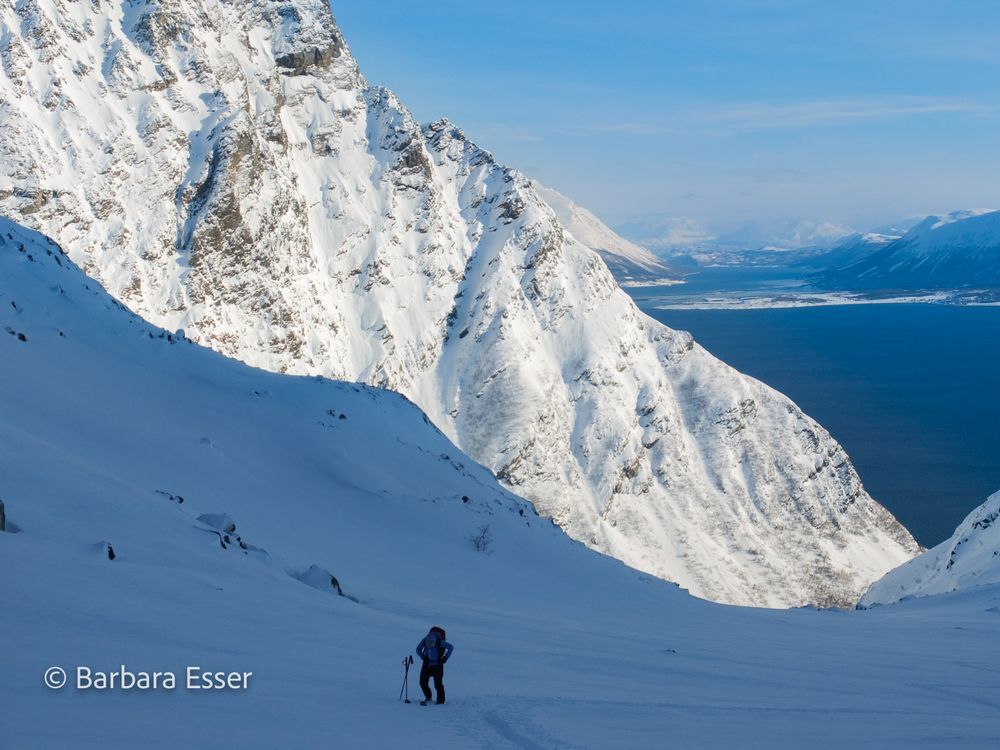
column 224, row 168
column 684, row 242
column 850, row 250
column 970, row 558
column 106, row 420
column 118, row 437
column 899, row 227
column 960, row 249
column 630, row 263
column 666, row 233
column 783, row 234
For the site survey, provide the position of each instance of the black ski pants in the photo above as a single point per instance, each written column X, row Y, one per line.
column 437, row 672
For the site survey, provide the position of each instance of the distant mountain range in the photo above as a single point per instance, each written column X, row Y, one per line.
column 684, row 243
column 784, row 235
column 954, row 251
column 850, row 250
column 666, row 233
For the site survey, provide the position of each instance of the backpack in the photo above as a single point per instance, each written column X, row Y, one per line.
column 435, row 640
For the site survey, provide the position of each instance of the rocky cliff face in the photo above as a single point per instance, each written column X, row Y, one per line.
column 225, row 168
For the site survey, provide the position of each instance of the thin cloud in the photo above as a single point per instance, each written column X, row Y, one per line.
column 746, row 116
column 627, row 128
column 766, row 115
column 964, row 47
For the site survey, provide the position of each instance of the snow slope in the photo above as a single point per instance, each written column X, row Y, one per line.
column 630, row 263
column 850, row 250
column 107, row 423
column 970, row 558
column 960, row 249
column 224, row 168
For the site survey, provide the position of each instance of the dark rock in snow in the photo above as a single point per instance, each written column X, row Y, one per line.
column 319, row 578
column 299, row 63
column 219, row 521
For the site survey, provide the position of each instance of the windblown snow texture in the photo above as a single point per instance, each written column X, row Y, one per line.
column 225, row 169
column 970, row 558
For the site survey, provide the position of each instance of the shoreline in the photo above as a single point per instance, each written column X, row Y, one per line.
column 778, row 301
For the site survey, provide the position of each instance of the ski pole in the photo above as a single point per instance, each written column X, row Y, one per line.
column 406, row 675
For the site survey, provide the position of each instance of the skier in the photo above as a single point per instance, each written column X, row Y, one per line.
column 434, row 651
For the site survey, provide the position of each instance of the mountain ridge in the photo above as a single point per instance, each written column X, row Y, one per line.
column 943, row 251
column 225, row 169
column 631, row 264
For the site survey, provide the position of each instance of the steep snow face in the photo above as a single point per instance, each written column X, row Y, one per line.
column 970, row 558
column 224, row 168
column 108, row 424
column 117, row 436
column 630, row 263
column 960, row 249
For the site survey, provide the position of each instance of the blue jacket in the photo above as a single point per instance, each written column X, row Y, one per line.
column 436, row 654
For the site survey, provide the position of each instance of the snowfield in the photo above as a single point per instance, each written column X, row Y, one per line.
column 115, row 434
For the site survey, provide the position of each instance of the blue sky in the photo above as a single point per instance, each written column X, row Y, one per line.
column 722, row 110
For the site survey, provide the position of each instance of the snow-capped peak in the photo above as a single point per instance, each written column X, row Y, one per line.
column 936, row 222
column 950, row 251
column 667, row 232
column 939, row 232
column 224, row 168
column 784, row 234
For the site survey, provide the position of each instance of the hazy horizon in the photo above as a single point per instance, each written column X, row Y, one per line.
column 722, row 112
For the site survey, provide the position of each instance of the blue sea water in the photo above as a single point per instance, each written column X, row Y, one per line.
column 912, row 391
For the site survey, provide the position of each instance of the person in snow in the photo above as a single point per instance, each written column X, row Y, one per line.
column 433, row 651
